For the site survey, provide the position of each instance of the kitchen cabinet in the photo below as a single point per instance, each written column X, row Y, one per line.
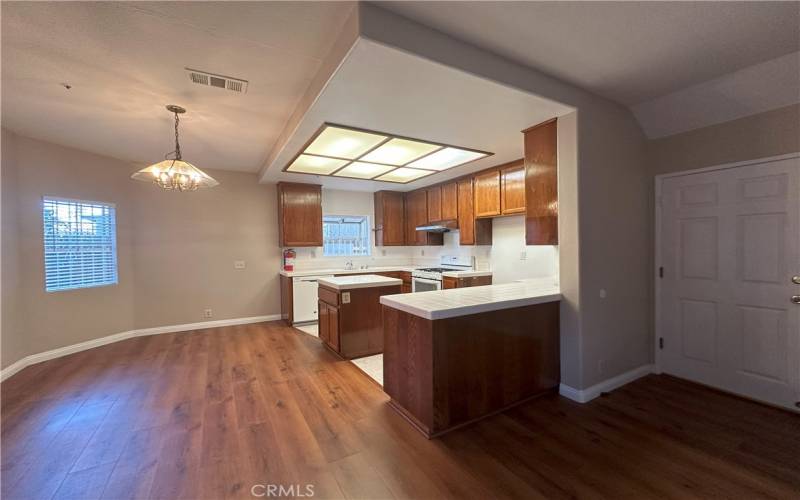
column 389, row 219
column 450, row 201
column 434, row 204
column 541, row 184
column 487, row 193
column 470, row 230
column 350, row 319
column 416, row 212
column 451, row 282
column 299, row 215
column 512, row 192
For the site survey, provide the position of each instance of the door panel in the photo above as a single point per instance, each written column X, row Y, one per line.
column 729, row 248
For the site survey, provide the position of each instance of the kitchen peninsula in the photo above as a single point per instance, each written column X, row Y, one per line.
column 454, row 356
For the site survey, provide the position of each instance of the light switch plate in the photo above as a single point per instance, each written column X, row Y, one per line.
column 346, row 298
column 238, row 264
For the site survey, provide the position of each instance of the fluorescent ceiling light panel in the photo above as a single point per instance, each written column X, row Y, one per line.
column 446, row 158
column 343, row 143
column 319, row 165
column 342, row 151
column 398, row 152
column 362, row 170
column 403, row 175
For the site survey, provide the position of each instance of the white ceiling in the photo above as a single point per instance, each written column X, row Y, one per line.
column 387, row 90
column 629, row 52
column 125, row 61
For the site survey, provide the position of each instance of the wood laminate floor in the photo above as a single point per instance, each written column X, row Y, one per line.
column 210, row 413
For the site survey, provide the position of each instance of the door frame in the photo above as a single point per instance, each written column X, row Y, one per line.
column 658, row 181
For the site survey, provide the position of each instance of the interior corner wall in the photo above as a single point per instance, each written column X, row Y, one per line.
column 175, row 250
column 609, row 221
column 12, row 336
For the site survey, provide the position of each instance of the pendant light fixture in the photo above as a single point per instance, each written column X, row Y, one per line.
column 173, row 173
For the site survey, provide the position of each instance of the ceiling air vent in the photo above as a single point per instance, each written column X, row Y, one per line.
column 219, row 81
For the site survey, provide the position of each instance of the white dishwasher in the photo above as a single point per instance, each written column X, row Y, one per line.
column 304, row 298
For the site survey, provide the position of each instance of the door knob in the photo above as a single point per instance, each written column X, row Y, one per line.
column 796, row 299
column 796, row 280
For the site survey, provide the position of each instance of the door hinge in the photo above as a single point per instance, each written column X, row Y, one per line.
column 660, row 342
column 661, row 272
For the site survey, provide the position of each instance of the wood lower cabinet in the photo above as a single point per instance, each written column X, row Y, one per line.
column 541, row 184
column 487, row 193
column 389, row 219
column 512, row 192
column 299, row 215
column 351, row 324
column 450, row 201
column 470, row 230
column 451, row 282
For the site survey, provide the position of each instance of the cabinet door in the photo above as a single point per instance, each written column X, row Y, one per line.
column 389, row 219
column 448, row 282
column 541, row 184
column 434, row 204
column 299, row 214
column 418, row 214
column 487, row 193
column 450, row 201
column 333, row 328
column 322, row 325
column 466, row 217
column 512, row 195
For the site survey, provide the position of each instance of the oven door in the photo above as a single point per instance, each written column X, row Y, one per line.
column 425, row 285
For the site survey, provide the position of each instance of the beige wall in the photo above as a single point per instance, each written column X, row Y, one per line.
column 175, row 250
column 12, row 346
column 771, row 133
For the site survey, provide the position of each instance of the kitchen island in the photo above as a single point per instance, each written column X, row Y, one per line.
column 350, row 312
column 455, row 356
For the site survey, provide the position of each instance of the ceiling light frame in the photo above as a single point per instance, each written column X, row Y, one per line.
column 387, row 138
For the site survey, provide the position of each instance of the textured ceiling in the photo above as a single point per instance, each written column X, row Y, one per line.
column 126, row 60
column 629, row 52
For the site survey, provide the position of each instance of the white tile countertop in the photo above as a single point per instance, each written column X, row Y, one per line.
column 466, row 274
column 323, row 272
column 442, row 304
column 360, row 281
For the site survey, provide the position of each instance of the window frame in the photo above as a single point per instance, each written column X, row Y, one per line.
column 114, row 242
column 367, row 237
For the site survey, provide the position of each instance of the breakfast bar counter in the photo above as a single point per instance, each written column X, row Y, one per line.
column 451, row 357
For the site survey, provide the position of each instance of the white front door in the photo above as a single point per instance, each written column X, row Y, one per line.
column 729, row 248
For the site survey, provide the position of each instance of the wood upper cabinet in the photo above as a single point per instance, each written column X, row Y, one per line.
column 389, row 219
column 434, row 204
column 487, row 193
column 299, row 215
column 471, row 231
column 512, row 192
column 450, row 201
column 541, row 184
column 416, row 211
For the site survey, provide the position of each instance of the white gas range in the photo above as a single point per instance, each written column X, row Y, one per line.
column 427, row 279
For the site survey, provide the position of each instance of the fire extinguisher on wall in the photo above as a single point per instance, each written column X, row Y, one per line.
column 288, row 259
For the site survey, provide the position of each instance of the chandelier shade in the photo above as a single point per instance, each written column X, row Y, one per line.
column 173, row 173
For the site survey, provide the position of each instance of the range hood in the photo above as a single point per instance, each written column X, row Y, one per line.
column 441, row 226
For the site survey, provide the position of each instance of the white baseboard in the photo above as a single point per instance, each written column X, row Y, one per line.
column 90, row 344
column 588, row 394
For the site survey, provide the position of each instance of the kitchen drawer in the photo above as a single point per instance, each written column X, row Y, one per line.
column 328, row 295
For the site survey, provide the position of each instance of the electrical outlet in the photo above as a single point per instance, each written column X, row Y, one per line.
column 523, row 255
column 422, row 252
column 207, row 313
column 383, row 252
column 238, row 264
column 603, row 293
column 346, row 298
column 601, row 367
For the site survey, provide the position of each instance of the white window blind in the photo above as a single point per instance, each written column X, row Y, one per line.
column 80, row 244
column 345, row 235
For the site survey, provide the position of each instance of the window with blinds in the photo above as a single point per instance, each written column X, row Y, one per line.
column 80, row 244
column 345, row 235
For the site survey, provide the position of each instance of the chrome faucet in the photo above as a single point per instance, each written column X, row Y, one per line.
column 348, row 265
